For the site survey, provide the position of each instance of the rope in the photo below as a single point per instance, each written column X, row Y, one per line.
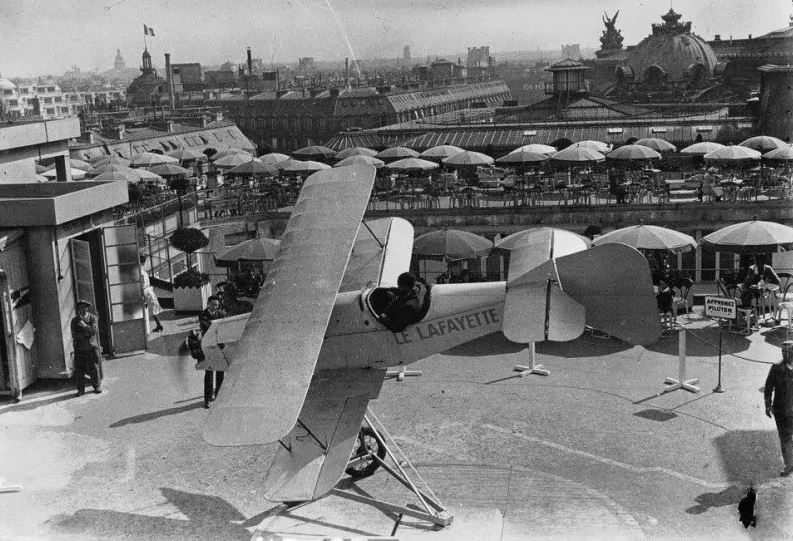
column 758, row 361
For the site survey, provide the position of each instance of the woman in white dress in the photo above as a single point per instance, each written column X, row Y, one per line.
column 149, row 297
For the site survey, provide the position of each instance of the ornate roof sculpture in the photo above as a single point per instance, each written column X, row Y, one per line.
column 611, row 38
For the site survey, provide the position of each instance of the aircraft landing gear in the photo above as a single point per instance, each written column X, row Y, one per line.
column 362, row 463
column 371, row 448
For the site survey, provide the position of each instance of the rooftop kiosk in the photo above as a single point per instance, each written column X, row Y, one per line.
column 58, row 245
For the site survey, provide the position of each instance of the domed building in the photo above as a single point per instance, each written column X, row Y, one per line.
column 149, row 88
column 11, row 106
column 670, row 60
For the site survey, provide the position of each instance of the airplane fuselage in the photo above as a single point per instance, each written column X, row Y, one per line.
column 458, row 313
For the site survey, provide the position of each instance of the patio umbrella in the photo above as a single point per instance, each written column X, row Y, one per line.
column 78, row 164
column 77, row 174
column 541, row 239
column 170, row 170
column 600, row 146
column 749, row 237
column 396, row 153
column 186, row 155
column 107, row 159
column 258, row 249
column 253, row 167
column 118, row 175
column 579, row 154
column 411, row 164
column 111, row 167
column 658, row 145
column 469, row 157
column 233, row 160
column 359, row 160
column 735, row 153
column 272, row 158
column 314, row 151
column 229, row 152
column 147, row 159
column 451, row 244
column 441, row 151
column 521, row 158
column 781, row 154
column 633, row 153
column 296, row 166
column 148, row 175
column 764, row 143
column 355, row 151
column 649, row 237
column 701, row 148
column 536, row 148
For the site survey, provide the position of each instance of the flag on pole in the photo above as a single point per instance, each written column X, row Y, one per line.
column 148, row 31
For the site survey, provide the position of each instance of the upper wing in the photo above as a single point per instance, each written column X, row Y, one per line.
column 314, row 455
column 381, row 252
column 272, row 366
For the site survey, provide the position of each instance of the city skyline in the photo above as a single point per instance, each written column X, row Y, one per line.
column 50, row 37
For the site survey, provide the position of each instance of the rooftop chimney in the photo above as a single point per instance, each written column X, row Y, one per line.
column 250, row 71
column 169, row 78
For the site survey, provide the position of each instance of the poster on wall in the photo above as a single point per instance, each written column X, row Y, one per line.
column 20, row 297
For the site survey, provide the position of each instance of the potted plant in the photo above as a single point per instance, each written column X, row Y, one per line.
column 191, row 288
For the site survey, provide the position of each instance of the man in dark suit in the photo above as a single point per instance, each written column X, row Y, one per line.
column 213, row 379
column 779, row 402
column 86, row 349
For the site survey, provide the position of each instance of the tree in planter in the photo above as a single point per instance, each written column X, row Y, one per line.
column 189, row 240
column 180, row 185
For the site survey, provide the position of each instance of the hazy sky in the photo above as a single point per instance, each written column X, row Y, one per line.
column 49, row 36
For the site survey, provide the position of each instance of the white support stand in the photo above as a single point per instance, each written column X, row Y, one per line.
column 673, row 384
column 400, row 374
column 532, row 368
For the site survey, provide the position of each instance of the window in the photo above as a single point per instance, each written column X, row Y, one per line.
column 12, row 103
column 65, row 110
column 47, row 100
column 8, row 92
column 50, row 89
column 58, row 99
column 50, row 111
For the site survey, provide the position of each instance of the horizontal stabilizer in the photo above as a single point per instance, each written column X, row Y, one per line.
column 539, row 311
column 611, row 282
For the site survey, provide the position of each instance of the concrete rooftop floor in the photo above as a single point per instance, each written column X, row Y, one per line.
column 592, row 451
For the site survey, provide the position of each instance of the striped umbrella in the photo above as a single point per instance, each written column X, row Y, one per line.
column 764, row 143
column 536, row 148
column 701, row 148
column 273, row 158
column 649, row 237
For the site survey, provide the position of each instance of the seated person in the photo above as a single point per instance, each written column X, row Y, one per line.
column 759, row 272
column 665, row 295
column 407, row 305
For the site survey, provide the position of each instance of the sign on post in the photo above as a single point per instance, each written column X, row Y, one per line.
column 721, row 307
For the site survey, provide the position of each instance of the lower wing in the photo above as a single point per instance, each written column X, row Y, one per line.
column 313, row 456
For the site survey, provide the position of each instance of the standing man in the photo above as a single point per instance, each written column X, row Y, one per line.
column 86, row 349
column 211, row 383
column 779, row 384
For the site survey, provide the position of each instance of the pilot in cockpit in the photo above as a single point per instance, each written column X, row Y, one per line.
column 407, row 304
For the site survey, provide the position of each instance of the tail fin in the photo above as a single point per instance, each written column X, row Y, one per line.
column 608, row 287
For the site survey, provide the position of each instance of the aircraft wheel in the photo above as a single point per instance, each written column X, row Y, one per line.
column 365, row 444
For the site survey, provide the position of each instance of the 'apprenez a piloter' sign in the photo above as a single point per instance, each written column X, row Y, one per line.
column 721, row 307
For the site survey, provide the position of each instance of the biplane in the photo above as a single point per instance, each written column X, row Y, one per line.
column 314, row 351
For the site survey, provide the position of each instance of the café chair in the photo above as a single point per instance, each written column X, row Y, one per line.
column 746, row 316
column 683, row 285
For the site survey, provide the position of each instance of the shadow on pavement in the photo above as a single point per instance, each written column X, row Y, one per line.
column 491, row 344
column 209, row 517
column 157, row 414
column 28, row 406
column 749, row 458
column 776, row 336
